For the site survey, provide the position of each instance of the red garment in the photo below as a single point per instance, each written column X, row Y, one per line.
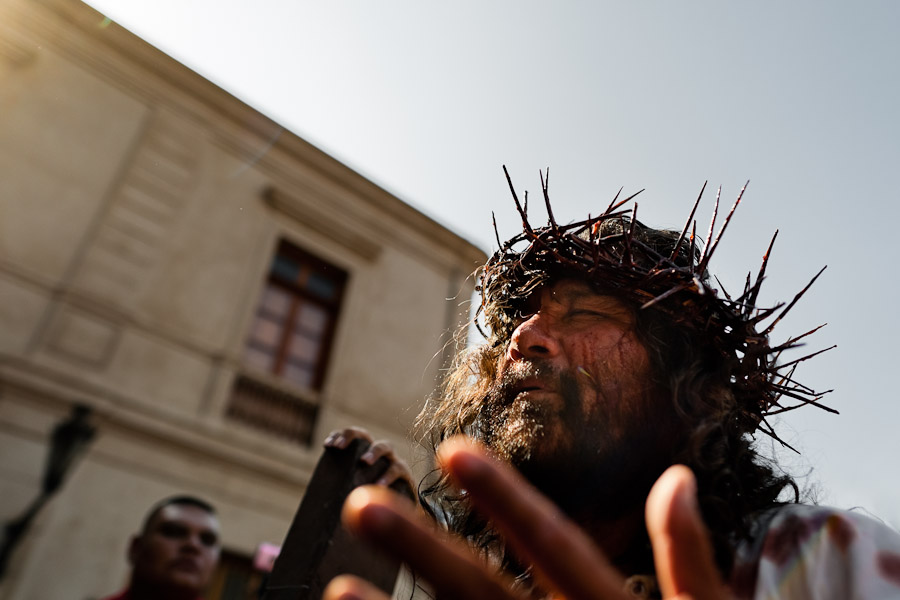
column 126, row 595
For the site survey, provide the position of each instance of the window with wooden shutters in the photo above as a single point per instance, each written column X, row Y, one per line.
column 290, row 341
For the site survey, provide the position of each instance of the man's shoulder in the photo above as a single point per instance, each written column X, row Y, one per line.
column 800, row 548
column 801, row 520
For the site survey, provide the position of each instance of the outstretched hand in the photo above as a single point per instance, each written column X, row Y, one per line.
column 566, row 561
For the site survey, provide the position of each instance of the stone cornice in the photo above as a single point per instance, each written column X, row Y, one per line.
column 250, row 452
column 131, row 62
column 312, row 214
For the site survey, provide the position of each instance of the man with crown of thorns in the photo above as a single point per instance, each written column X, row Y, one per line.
column 599, row 444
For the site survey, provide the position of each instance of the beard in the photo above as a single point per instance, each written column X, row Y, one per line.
column 595, row 460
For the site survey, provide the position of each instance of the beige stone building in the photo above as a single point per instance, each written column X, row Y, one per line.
column 219, row 292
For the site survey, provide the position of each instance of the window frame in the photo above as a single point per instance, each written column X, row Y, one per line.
column 300, row 294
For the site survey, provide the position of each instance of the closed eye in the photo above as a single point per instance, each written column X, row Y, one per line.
column 578, row 312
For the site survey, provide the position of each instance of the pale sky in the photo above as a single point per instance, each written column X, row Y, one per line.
column 429, row 100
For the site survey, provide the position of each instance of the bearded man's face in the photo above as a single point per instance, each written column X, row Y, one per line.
column 574, row 406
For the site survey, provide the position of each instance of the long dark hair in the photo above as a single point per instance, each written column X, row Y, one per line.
column 734, row 481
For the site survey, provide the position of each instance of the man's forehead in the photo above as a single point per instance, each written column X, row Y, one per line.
column 187, row 514
column 577, row 289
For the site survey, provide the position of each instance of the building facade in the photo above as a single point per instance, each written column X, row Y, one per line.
column 220, row 293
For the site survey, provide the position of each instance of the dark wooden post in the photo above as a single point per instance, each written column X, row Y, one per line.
column 317, row 547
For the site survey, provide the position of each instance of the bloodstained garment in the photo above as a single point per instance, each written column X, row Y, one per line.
column 815, row 552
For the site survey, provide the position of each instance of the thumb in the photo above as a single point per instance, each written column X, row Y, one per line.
column 682, row 551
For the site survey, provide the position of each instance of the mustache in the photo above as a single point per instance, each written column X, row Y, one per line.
column 526, row 375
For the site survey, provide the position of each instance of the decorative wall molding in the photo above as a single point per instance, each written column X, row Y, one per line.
column 138, row 67
column 285, row 463
column 154, row 190
column 313, row 215
column 82, row 337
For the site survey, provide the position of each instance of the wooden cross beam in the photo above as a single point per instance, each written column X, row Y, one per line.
column 317, row 547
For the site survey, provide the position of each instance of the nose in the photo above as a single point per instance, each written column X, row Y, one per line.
column 533, row 338
column 192, row 543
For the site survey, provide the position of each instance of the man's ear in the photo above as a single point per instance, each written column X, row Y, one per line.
column 134, row 548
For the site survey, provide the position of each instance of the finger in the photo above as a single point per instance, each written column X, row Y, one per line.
column 398, row 471
column 331, row 440
column 348, row 587
column 566, row 558
column 384, row 518
column 341, row 438
column 377, row 450
column 682, row 551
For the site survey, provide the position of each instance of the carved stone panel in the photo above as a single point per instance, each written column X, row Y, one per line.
column 83, row 337
column 154, row 189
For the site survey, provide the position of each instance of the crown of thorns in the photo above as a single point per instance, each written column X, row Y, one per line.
column 616, row 252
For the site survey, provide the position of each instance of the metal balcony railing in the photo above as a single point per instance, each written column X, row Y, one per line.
column 272, row 409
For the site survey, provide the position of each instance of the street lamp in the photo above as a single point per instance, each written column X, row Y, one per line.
column 70, row 438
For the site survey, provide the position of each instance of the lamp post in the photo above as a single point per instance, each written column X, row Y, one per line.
column 70, row 438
